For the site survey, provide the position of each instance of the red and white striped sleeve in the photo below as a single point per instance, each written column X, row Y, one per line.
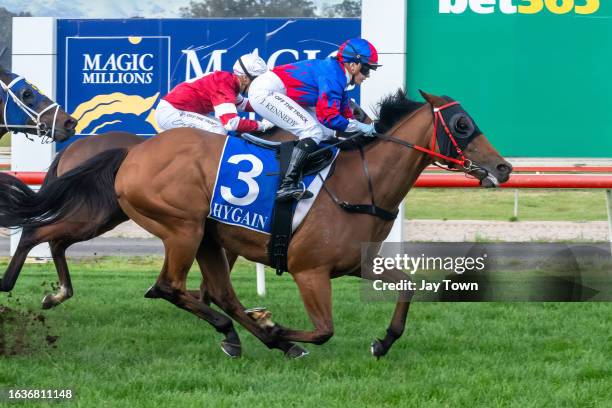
column 225, row 98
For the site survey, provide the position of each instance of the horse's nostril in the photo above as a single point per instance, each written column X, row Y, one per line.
column 504, row 168
column 70, row 124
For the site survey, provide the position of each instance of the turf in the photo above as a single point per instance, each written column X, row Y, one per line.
column 116, row 348
column 480, row 204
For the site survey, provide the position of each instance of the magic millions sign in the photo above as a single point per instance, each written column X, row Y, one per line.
column 111, row 73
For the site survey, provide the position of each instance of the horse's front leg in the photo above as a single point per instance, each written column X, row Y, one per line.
column 315, row 289
column 380, row 347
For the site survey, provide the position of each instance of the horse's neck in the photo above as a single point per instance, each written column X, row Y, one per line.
column 395, row 168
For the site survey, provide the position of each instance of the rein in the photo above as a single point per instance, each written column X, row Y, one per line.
column 372, row 209
column 41, row 128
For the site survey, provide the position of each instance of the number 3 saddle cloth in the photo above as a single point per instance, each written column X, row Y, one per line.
column 247, row 180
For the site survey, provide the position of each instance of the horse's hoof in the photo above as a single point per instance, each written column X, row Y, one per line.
column 378, row 349
column 49, row 302
column 152, row 293
column 296, row 352
column 232, row 350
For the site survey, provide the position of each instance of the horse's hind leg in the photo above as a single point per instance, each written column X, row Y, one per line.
column 58, row 252
column 171, row 286
column 215, row 270
column 28, row 240
column 203, row 294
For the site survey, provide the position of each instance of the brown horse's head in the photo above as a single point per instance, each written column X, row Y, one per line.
column 23, row 108
column 483, row 161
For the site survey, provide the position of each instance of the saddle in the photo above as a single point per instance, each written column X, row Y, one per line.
column 282, row 215
column 316, row 162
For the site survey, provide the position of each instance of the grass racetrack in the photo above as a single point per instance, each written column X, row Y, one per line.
column 116, row 348
column 498, row 204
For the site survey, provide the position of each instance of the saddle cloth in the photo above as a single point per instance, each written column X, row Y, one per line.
column 247, row 181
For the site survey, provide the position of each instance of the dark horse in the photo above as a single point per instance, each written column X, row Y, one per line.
column 23, row 108
column 165, row 185
column 84, row 224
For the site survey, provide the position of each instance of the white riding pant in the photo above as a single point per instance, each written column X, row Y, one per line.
column 168, row 117
column 268, row 97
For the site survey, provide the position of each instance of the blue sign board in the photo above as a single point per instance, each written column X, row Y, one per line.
column 111, row 73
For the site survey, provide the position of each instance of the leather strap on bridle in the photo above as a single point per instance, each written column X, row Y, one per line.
column 369, row 209
column 372, row 209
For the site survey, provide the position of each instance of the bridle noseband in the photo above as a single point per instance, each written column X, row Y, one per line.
column 42, row 130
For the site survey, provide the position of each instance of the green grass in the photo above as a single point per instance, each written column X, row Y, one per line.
column 480, row 204
column 116, row 348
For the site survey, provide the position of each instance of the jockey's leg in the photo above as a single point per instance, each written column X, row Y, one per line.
column 268, row 98
column 169, row 117
column 290, row 187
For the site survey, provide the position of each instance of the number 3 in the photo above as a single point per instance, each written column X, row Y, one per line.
column 246, row 176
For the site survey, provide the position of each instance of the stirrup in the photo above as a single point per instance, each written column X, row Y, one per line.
column 301, row 195
column 295, row 194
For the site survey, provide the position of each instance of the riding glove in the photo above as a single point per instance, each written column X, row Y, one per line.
column 367, row 129
column 264, row 125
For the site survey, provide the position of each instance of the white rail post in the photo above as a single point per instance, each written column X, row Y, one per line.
column 261, row 279
column 391, row 45
column 516, row 203
column 34, row 57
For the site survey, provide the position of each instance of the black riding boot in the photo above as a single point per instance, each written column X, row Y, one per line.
column 291, row 187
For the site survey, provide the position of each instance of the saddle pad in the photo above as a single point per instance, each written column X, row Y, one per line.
column 247, row 180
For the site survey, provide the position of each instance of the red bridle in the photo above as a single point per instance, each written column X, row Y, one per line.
column 463, row 161
column 439, row 119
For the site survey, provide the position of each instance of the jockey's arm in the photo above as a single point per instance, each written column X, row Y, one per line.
column 225, row 102
column 345, row 107
column 333, row 109
column 243, row 104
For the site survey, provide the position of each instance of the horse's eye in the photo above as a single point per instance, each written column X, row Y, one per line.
column 27, row 94
column 462, row 125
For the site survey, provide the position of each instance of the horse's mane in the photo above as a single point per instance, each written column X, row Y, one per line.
column 3, row 70
column 392, row 108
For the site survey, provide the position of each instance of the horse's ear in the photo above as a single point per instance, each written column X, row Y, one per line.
column 426, row 96
column 432, row 99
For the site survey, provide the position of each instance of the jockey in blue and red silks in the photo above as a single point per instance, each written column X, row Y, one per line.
column 282, row 94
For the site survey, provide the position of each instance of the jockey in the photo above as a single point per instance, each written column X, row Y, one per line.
column 212, row 102
column 282, row 94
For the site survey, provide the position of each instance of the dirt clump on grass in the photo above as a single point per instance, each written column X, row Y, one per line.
column 23, row 332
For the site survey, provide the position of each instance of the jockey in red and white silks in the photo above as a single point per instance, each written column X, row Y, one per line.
column 212, row 102
column 309, row 98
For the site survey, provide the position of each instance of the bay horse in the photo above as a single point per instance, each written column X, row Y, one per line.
column 165, row 185
column 23, row 108
column 85, row 225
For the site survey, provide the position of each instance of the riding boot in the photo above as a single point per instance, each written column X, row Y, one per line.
column 291, row 186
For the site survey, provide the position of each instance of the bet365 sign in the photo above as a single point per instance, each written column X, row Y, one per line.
column 519, row 6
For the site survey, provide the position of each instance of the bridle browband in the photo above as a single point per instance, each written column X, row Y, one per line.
column 41, row 128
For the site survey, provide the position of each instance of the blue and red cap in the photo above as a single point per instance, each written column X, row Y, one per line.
column 359, row 51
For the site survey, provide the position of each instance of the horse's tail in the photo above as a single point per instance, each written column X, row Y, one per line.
column 89, row 185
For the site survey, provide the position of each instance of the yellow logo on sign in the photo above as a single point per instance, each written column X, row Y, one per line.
column 525, row 6
column 110, row 104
